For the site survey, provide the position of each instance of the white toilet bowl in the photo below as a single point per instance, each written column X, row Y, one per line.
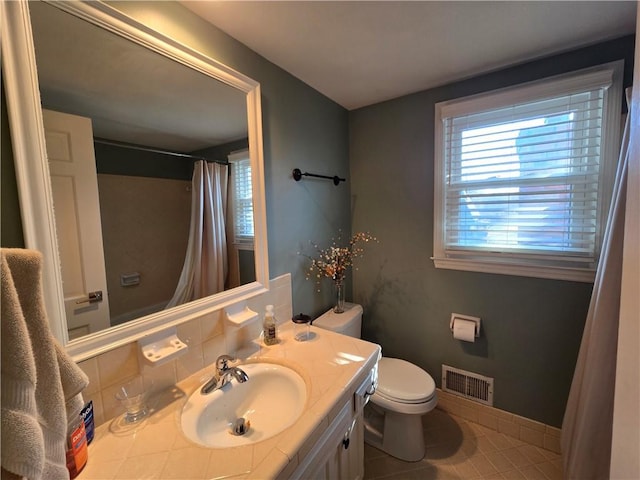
column 394, row 420
column 405, row 392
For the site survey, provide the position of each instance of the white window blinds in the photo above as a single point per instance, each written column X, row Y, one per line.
column 242, row 195
column 522, row 173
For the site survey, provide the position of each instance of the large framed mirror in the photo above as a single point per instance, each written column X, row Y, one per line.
column 154, row 109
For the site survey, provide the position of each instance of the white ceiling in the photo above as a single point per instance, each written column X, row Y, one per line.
column 132, row 94
column 360, row 53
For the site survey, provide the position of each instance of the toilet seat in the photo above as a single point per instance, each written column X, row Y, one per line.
column 403, row 382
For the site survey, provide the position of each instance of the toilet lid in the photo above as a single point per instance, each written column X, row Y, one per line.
column 403, row 381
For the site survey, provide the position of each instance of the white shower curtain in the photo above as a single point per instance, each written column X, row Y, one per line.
column 588, row 418
column 205, row 266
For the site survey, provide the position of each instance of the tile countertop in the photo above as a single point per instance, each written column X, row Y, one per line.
column 332, row 366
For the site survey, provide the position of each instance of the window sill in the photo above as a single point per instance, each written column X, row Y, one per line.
column 554, row 273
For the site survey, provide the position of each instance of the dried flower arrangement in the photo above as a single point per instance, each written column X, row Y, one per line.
column 334, row 261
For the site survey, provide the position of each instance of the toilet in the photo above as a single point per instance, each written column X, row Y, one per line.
column 405, row 392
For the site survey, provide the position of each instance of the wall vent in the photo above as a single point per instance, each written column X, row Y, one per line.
column 467, row 384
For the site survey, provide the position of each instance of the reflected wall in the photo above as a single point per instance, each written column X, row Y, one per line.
column 301, row 128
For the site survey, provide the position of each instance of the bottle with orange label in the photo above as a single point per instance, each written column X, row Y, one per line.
column 77, row 452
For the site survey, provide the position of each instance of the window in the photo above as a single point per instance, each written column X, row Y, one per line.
column 523, row 176
column 242, row 197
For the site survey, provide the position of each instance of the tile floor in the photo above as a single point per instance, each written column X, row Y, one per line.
column 462, row 450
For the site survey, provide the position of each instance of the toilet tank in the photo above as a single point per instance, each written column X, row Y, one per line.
column 348, row 322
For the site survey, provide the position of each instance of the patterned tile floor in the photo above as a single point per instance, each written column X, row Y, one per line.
column 462, row 450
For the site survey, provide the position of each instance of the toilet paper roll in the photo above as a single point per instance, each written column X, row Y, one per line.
column 464, row 330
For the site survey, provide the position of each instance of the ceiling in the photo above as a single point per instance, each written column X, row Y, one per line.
column 131, row 94
column 360, row 53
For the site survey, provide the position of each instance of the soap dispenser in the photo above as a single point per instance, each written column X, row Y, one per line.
column 269, row 327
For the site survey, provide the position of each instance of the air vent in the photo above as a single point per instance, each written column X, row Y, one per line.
column 467, row 384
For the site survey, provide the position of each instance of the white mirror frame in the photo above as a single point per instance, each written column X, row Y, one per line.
column 32, row 168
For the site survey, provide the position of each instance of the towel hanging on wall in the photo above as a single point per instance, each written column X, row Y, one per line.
column 39, row 379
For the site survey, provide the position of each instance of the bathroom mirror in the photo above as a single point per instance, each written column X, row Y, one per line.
column 32, row 168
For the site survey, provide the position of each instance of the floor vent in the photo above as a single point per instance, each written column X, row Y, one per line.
column 467, row 384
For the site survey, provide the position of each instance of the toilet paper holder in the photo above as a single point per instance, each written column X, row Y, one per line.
column 476, row 320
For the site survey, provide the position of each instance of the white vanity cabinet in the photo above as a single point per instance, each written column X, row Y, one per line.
column 326, row 442
column 339, row 453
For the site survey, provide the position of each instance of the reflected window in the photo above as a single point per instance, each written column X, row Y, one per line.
column 241, row 197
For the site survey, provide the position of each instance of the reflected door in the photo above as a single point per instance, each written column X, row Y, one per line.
column 77, row 210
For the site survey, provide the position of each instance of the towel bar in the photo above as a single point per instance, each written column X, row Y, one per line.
column 297, row 175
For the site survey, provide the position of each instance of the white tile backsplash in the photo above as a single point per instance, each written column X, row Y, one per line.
column 207, row 337
column 117, row 365
column 189, row 363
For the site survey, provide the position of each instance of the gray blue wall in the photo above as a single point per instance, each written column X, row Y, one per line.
column 531, row 327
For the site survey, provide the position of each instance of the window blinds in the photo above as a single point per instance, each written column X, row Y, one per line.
column 242, row 200
column 524, row 178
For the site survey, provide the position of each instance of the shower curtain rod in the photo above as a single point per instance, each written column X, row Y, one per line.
column 154, row 150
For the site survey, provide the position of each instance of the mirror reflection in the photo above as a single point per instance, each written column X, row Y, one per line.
column 150, row 174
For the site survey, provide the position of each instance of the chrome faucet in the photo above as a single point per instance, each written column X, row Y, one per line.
column 223, row 375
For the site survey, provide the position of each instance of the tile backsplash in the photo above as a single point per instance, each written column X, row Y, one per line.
column 207, row 337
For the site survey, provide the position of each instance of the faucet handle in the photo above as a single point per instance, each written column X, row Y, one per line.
column 222, row 362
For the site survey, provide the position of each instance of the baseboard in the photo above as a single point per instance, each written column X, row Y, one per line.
column 524, row 429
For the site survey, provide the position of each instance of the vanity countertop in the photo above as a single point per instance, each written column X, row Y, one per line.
column 331, row 364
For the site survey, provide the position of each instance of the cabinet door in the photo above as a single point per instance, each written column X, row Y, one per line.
column 339, row 454
column 347, row 461
column 356, row 449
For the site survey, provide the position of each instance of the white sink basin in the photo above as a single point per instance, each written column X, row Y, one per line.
column 271, row 400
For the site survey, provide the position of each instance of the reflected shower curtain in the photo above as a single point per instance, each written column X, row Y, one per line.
column 205, row 266
column 588, row 419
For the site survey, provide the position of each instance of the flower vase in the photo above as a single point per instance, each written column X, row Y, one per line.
column 339, row 299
